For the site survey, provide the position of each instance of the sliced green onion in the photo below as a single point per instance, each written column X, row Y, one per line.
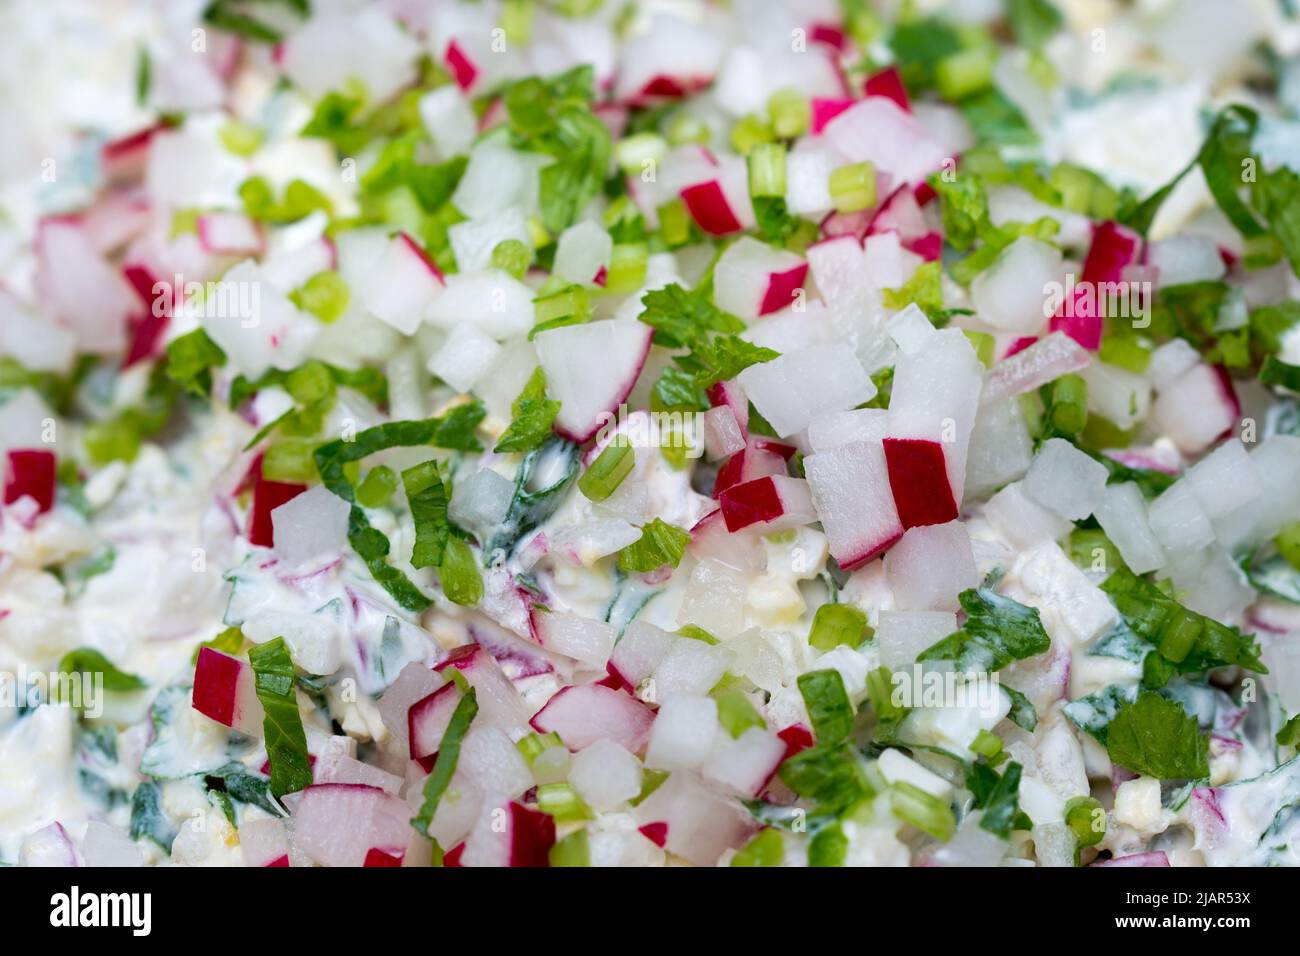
column 987, row 745
column 459, row 574
column 697, row 633
column 961, row 74
column 674, row 223
column 853, row 187
column 1287, row 543
column 572, row 850
column 651, row 780
column 1125, row 352
column 240, row 138
column 767, row 171
column 880, row 690
column 534, row 745
column 607, row 472
column 377, row 488
column 538, row 234
column 922, row 810
column 1082, row 815
column 633, row 152
column 560, row 801
column 735, row 713
column 836, row 624
column 627, row 265
column 1178, row 633
column 984, row 345
column 325, row 295
column 790, row 112
column 750, row 132
column 765, row 849
column 290, row 459
column 572, row 302
column 1068, row 412
column 1103, row 433
column 687, row 130
column 829, row 846
column 512, row 256
column 517, row 20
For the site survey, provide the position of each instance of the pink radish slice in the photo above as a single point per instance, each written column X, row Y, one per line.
column 525, row 839
column 1036, row 364
column 402, row 284
column 267, row 496
column 929, row 247
column 338, row 824
column 851, row 492
column 124, row 159
column 656, row 833
column 711, row 539
column 1019, row 345
column 590, row 369
column 918, row 475
column 752, row 279
column 1157, row 858
column 758, row 458
column 1113, row 248
column 49, row 846
column 230, row 234
column 498, row 701
column 889, row 83
column 797, row 738
column 698, row 822
column 901, row 213
column 708, row 206
column 823, row 111
column 225, row 690
column 377, row 857
column 461, row 67
column 828, row 34
column 31, row 474
column 730, row 393
column 585, row 713
column 723, row 435
column 776, row 501
column 146, row 338
column 427, row 722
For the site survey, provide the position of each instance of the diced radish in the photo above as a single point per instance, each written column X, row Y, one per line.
column 709, row 207
column 1121, row 397
column 413, row 683
column 842, row 428
column 910, row 329
column 760, row 457
column 671, row 59
column 1197, row 408
column 338, row 824
column 383, row 858
column 124, row 159
column 930, row 566
column 902, row 635
column 638, row 652
column 605, row 775
column 364, row 44
column 582, row 252
column 723, row 435
column 1226, row 479
column 1066, row 480
column 509, row 834
column 918, row 476
column 48, row 846
column 851, row 492
column 309, row 525
column 1049, row 358
column 267, row 496
column 690, row 666
column 585, row 713
column 335, row 767
column 792, row 390
column 753, row 279
column 575, row 636
column 711, row 539
column 1122, row 514
column 823, row 111
column 264, row 842
column 427, row 721
column 1182, row 259
column 776, row 501
column 498, row 701
column 466, row 356
column 1001, row 449
column 683, row 732
column 901, row 214
column 402, row 284
column 797, row 738
column 460, row 65
column 693, row 820
column 449, row 120
column 473, row 240
column 1170, row 361
column 225, row 690
column 590, row 369
column 231, row 234
column 881, row 132
column 497, row 303
column 745, row 764
column 888, row 83
column 491, row 763
column 31, row 474
column 71, row 275
column 1113, row 248
column 1010, row 293
column 1157, row 858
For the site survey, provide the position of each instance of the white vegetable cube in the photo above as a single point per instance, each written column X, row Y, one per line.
column 851, row 425
column 898, row 767
column 1066, row 480
column 714, row 599
column 581, row 638
column 911, row 329
column 1117, row 395
column 473, row 240
column 683, row 732
column 493, row 300
column 745, row 763
column 491, row 763
column 1137, row 803
column 689, row 667
column 313, row 639
column 1182, row 259
column 401, row 285
column 496, row 177
column 310, row 525
column 1170, row 361
column 1122, row 514
column 1072, row 606
column 753, row 279
column 1225, row 479
column 930, row 566
column 465, row 357
column 722, row 435
column 605, row 775
column 807, row 180
column 449, row 120
column 852, row 496
column 1010, row 295
column 1179, row 520
column 1196, row 408
column 582, row 252
column 792, row 390
column 902, row 635
column 1001, row 450
column 480, row 501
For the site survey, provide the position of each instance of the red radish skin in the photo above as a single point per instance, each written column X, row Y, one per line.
column 1019, row 345
column 828, row 34
column 797, row 738
column 918, row 477
column 889, row 83
column 929, row 247
column 427, row 721
column 781, row 288
column 708, row 206
column 759, row 458
column 267, row 496
column 146, row 337
column 656, row 833
column 1229, row 392
column 282, row 860
column 733, row 396
column 452, row 857
column 1112, row 250
column 224, row 689
column 1156, row 858
column 124, row 159
column 378, row 857
column 924, row 193
column 532, row 836
column 585, row 713
column 750, row 502
column 823, row 111
column 31, row 474
column 424, row 257
column 462, row 69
